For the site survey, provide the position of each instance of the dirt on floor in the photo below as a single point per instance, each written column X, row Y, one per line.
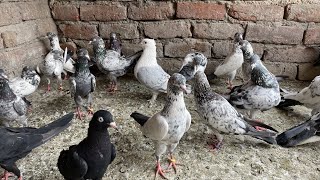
column 237, row 159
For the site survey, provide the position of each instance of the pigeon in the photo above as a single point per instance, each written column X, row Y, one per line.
column 308, row 96
column 12, row 107
column 304, row 133
column 82, row 83
column 231, row 64
column 167, row 127
column 149, row 72
column 16, row 143
column 111, row 62
column 91, row 157
column 261, row 92
column 190, row 65
column 26, row 84
column 220, row 115
column 247, row 51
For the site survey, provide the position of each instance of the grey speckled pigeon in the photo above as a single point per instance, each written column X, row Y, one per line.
column 149, row 72
column 308, row 96
column 167, row 127
column 191, row 63
column 12, row 107
column 220, row 115
column 26, row 84
column 260, row 93
column 16, row 143
column 304, row 133
column 231, row 64
column 82, row 83
column 247, row 51
column 111, row 62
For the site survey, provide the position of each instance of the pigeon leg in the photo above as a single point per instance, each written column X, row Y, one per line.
column 159, row 170
column 173, row 163
column 112, row 88
column 230, row 86
column 258, row 128
column 216, row 143
column 252, row 115
column 90, row 108
column 154, row 97
column 49, row 85
column 6, row 175
column 79, row 113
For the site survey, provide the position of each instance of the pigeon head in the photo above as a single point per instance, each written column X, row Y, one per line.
column 148, row 43
column 237, row 48
column 246, row 49
column 82, row 65
column 101, row 120
column 115, row 43
column 27, row 71
column 97, row 42
column 192, row 63
column 238, row 37
column 177, row 82
column 113, row 36
column 83, row 53
column 3, row 75
column 52, row 36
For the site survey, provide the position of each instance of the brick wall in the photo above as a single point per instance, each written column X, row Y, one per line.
column 285, row 34
column 22, row 24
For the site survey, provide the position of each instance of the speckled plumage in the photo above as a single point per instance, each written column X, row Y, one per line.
column 12, row 107
column 149, row 72
column 247, row 51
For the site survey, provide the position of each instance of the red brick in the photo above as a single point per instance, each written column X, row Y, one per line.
column 170, row 65
column 312, row 36
column 182, row 48
column 129, row 48
column 290, row 54
column 274, row 34
column 216, row 30
column 65, row 12
column 278, row 68
column 10, row 14
column 79, row 31
column 247, row 12
column 307, row 71
column 200, row 10
column 107, row 12
column 151, row 11
column 9, row 39
column 126, row 30
column 303, row 12
column 167, row 29
column 85, row 44
column 34, row 10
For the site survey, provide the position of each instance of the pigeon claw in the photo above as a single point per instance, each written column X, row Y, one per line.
column 60, row 87
column 173, row 163
column 215, row 145
column 159, row 171
column 112, row 88
column 90, row 111
column 48, row 88
column 79, row 113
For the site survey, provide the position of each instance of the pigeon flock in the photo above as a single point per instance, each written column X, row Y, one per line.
column 90, row 158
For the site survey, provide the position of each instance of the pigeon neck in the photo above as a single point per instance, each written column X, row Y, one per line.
column 100, row 52
column 54, row 43
column 149, row 55
column 201, row 83
column 115, row 45
column 6, row 93
column 174, row 101
column 97, row 136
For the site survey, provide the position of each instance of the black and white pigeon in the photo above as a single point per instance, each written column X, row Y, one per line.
column 17, row 143
column 247, row 51
column 261, row 92
column 91, row 157
column 167, row 127
column 230, row 65
column 26, row 84
column 82, row 83
column 307, row 132
column 308, row 96
column 111, row 62
column 149, row 72
column 191, row 64
column 12, row 107
column 219, row 114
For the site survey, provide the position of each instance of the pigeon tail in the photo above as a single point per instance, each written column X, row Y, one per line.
column 288, row 102
column 267, row 135
column 140, row 118
column 281, row 77
column 300, row 134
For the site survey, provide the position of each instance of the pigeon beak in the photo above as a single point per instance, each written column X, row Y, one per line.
column 113, row 125
column 90, row 42
column 184, row 89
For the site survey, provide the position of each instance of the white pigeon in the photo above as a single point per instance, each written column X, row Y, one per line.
column 231, row 64
column 149, row 72
column 26, row 84
column 308, row 96
column 167, row 127
column 219, row 114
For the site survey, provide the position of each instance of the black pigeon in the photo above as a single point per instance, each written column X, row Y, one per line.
column 16, row 143
column 304, row 133
column 91, row 157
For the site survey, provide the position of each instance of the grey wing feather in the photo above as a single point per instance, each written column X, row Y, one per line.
column 154, row 78
column 20, row 106
column 73, row 86
column 156, row 128
column 93, row 82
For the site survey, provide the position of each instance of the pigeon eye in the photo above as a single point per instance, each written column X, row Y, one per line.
column 100, row 119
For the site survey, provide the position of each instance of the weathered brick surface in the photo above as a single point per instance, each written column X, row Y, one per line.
column 45, row 25
column 107, row 12
column 275, row 34
column 151, row 11
column 312, row 36
column 65, row 12
column 277, row 68
column 10, row 14
column 296, row 54
column 71, row 46
column 307, row 71
column 1, row 43
column 247, row 12
column 84, row 44
column 201, row 10
column 221, row 49
column 167, row 29
column 34, row 10
column 9, row 39
column 181, row 49
column 303, row 12
column 216, row 30
column 126, row 30
column 79, row 31
column 130, row 48
column 170, row 65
